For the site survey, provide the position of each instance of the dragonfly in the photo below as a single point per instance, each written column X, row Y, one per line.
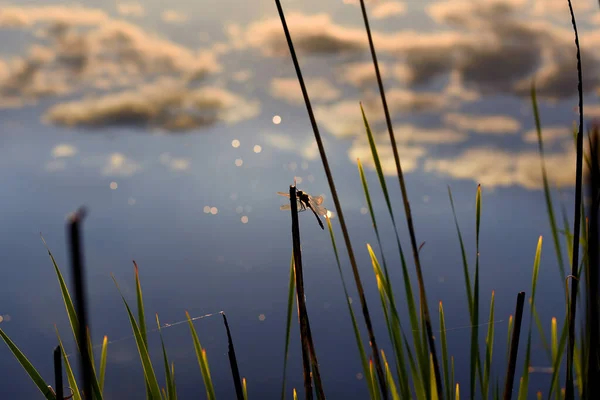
column 307, row 202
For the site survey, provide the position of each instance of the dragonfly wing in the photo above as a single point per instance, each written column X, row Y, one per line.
column 317, row 209
column 318, row 200
column 283, row 194
column 285, row 207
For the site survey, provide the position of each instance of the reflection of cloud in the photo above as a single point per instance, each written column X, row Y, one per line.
column 85, row 48
column 494, row 124
column 388, row 9
column 174, row 163
column 12, row 16
column 116, row 164
column 63, row 150
column 344, row 118
column 174, row 17
column 409, row 156
column 550, row 134
column 306, row 148
column 131, row 9
column 494, row 167
column 166, row 104
column 361, row 74
column 313, row 34
column 288, row 89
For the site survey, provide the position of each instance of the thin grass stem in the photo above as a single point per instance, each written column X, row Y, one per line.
column 514, row 347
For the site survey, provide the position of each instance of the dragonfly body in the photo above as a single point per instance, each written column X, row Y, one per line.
column 307, row 202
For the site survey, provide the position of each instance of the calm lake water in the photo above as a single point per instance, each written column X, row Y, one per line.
column 176, row 126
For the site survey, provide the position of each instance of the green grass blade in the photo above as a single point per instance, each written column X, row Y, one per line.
column 103, row 363
column 141, row 315
column 475, row 356
column 245, row 389
column 457, row 395
column 69, row 306
column 510, row 327
column 540, row 328
column 558, row 358
column 28, row 367
column 288, row 324
column 168, row 376
column 154, row 388
column 448, row 392
column 420, row 346
column 395, row 328
column 547, row 194
column 202, row 361
column 68, row 370
column 173, row 381
column 365, row 186
column 536, row 270
column 295, row 394
column 489, row 343
column 554, row 350
column 464, row 258
column 434, row 393
column 357, row 337
column 390, row 378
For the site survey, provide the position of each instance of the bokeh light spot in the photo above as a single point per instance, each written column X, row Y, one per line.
column 114, row 185
column 276, row 119
column 244, row 219
column 214, row 210
column 262, row 317
column 206, row 209
column 235, row 143
column 239, row 162
column 257, row 149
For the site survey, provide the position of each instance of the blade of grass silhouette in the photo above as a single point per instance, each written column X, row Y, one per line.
column 409, row 220
column 58, row 379
column 576, row 223
column 359, row 343
column 235, row 372
column 514, row 347
column 288, row 324
column 338, row 207
column 77, row 268
column 309, row 356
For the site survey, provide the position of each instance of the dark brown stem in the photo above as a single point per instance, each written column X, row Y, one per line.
column 514, row 347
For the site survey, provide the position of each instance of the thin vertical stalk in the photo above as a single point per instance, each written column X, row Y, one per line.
column 77, row 267
column 235, row 372
column 308, row 349
column 411, row 229
column 338, row 207
column 569, row 392
column 58, row 382
column 514, row 347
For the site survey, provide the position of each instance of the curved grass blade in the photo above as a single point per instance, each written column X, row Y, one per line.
column 357, row 337
column 288, row 324
column 202, row 361
column 420, row 345
column 103, row 363
column 69, row 306
column 489, row 342
column 395, row 328
column 448, row 392
column 576, row 222
column 154, row 388
column 390, row 378
column 28, row 367
column 168, row 377
column 68, row 370
column 547, row 194
column 235, row 372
